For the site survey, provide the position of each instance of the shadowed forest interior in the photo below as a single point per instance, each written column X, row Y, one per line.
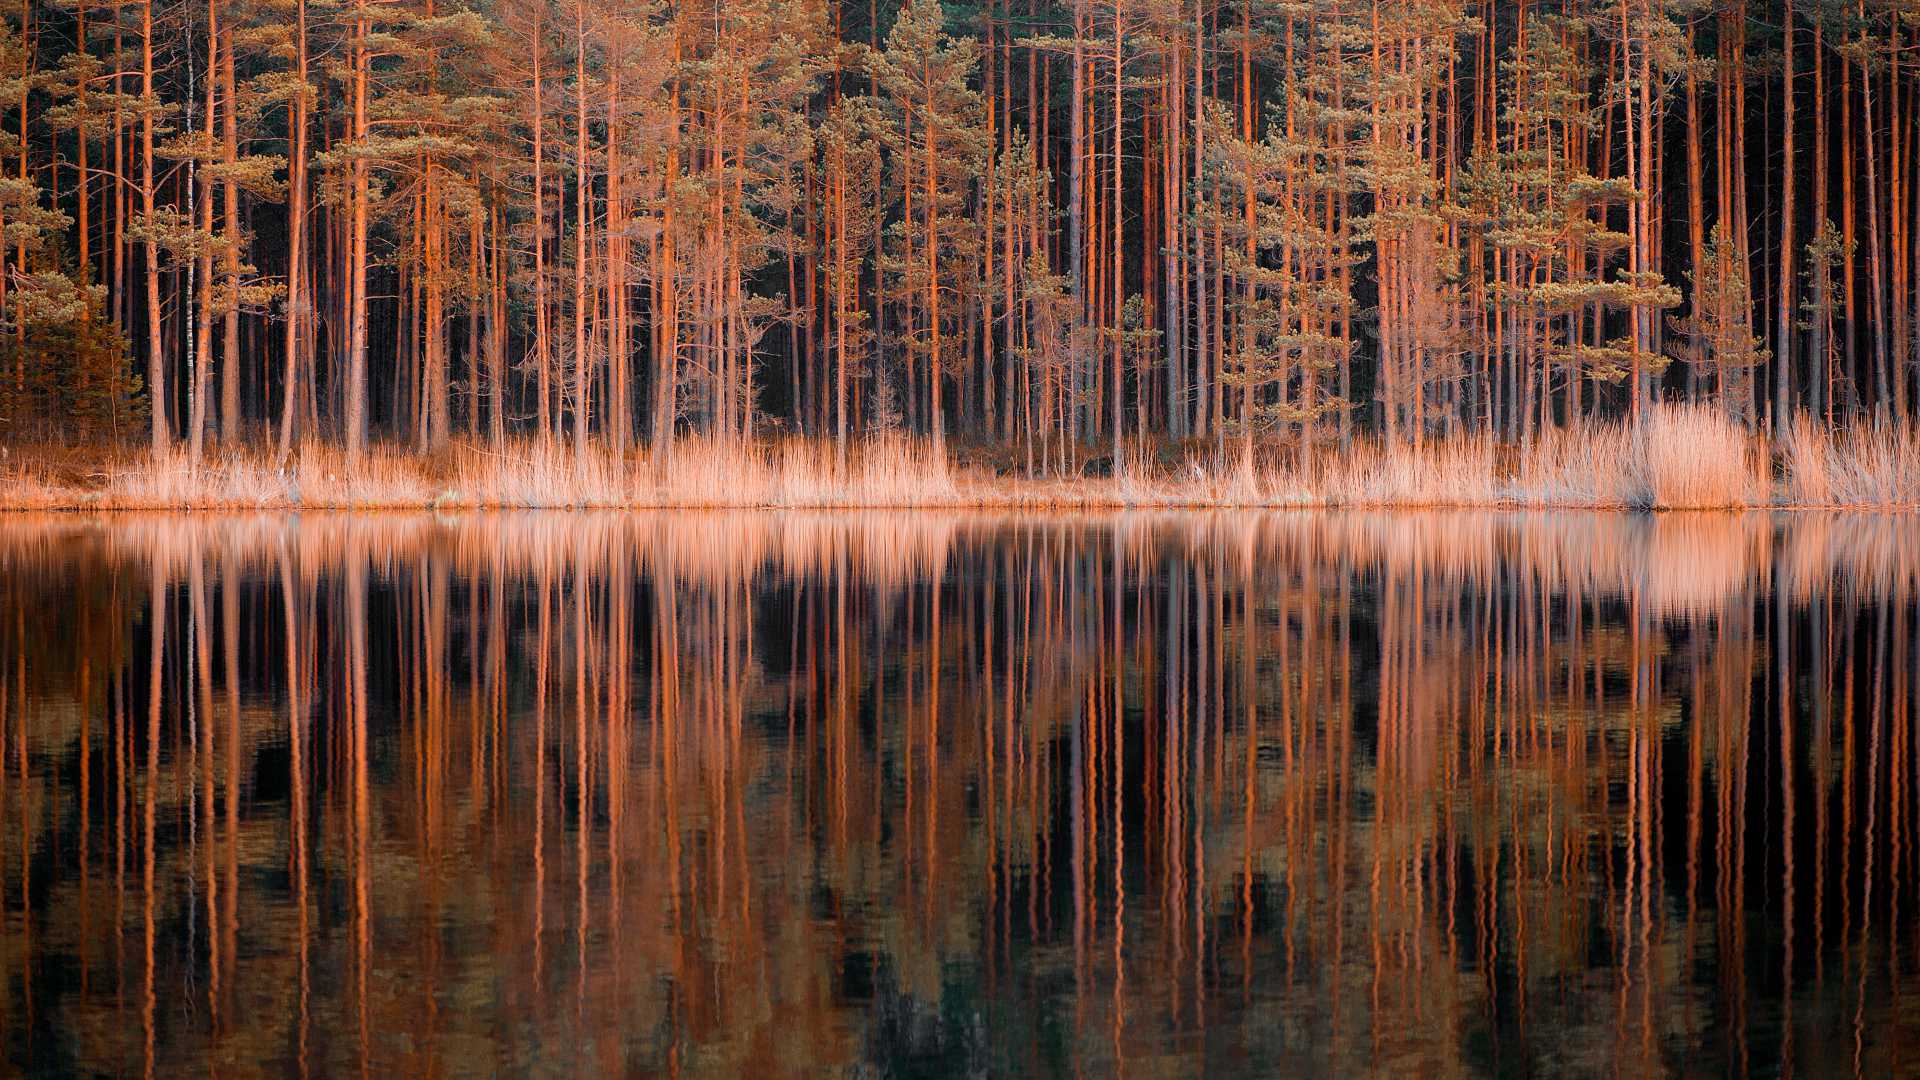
column 1065, row 229
column 1432, row 793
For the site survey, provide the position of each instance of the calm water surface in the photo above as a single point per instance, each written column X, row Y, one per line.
column 1411, row 794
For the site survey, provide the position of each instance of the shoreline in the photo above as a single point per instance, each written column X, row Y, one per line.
column 81, row 502
column 1679, row 458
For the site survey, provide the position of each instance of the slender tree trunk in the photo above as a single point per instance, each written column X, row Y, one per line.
column 665, row 279
column 1696, row 216
column 1883, row 386
column 1820, row 327
column 356, row 406
column 497, row 330
column 936, row 370
column 1783, row 331
column 841, row 283
column 83, row 174
column 156, row 357
column 202, row 212
column 542, row 338
column 1118, row 287
column 618, row 421
column 1076, row 212
column 1848, row 222
column 230, row 370
column 582, row 354
column 298, row 360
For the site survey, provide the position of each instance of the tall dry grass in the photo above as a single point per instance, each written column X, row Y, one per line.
column 698, row 474
column 1678, row 457
column 1693, row 458
column 709, row 474
column 1857, row 466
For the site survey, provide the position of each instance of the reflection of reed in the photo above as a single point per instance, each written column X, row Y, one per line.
column 792, row 792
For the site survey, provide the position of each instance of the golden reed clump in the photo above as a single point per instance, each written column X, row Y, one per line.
column 1679, row 457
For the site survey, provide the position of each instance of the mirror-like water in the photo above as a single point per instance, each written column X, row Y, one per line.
column 1428, row 794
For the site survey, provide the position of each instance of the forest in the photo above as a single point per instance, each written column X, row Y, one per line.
column 1064, row 228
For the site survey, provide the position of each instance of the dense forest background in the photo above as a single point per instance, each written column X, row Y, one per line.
column 1045, row 223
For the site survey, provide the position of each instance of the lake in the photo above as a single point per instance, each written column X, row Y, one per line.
column 764, row 793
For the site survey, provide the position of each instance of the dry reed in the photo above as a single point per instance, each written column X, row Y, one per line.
column 1858, row 466
column 1677, row 457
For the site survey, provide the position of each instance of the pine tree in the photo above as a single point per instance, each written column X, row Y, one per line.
column 936, row 147
column 1721, row 325
column 851, row 154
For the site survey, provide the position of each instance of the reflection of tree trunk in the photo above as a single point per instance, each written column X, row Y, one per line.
column 544, row 652
column 666, row 703
column 200, row 696
column 230, row 650
column 619, row 753
column 156, row 679
column 582, row 791
column 361, row 836
column 1781, row 656
column 1077, row 816
column 297, row 697
column 1249, row 660
column 1202, row 632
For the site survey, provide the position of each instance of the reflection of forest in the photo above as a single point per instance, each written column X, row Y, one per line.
column 1427, row 793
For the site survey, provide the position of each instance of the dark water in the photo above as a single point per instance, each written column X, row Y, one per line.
column 1409, row 794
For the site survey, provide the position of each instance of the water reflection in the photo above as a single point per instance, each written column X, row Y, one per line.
column 917, row 794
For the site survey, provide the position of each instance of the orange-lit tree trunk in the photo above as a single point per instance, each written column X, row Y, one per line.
column 356, row 406
column 156, row 359
column 298, row 359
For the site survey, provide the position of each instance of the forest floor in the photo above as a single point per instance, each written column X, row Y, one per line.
column 1679, row 457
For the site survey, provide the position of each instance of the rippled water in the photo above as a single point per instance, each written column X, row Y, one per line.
column 1420, row 794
